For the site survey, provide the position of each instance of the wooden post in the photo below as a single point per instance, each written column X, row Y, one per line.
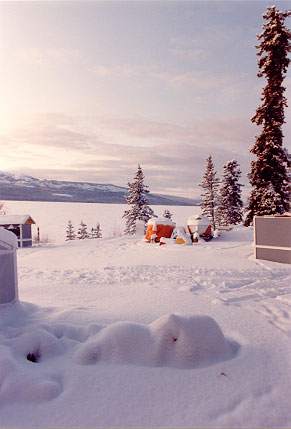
column 20, row 235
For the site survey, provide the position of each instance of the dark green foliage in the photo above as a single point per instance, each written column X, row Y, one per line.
column 210, row 186
column 70, row 232
column 140, row 204
column 167, row 214
column 269, row 175
column 229, row 211
column 82, row 231
column 96, row 232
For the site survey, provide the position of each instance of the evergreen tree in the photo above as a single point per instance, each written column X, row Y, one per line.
column 210, row 186
column 96, row 232
column 229, row 211
column 70, row 232
column 269, row 176
column 82, row 231
column 167, row 214
column 140, row 204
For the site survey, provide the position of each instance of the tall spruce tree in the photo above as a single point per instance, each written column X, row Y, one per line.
column 70, row 233
column 140, row 209
column 229, row 211
column 210, row 186
column 269, row 176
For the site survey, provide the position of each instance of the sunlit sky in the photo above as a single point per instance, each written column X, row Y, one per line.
column 89, row 90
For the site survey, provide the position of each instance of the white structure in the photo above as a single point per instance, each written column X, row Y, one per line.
column 200, row 224
column 20, row 225
column 181, row 236
column 8, row 267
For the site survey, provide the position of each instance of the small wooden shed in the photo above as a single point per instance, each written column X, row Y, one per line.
column 20, row 225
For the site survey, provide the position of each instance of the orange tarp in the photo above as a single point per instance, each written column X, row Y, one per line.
column 162, row 231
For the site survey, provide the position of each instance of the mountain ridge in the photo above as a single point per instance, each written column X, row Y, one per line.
column 28, row 188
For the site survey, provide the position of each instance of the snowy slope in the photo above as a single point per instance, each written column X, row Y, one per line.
column 28, row 188
column 131, row 334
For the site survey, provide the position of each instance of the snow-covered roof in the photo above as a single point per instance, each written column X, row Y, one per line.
column 161, row 221
column 198, row 220
column 16, row 219
column 7, row 237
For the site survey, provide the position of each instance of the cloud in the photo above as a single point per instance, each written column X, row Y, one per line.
column 121, row 71
column 52, row 130
column 191, row 53
column 212, row 131
column 193, row 79
column 189, row 80
column 63, row 147
column 206, row 83
column 48, row 57
column 189, row 49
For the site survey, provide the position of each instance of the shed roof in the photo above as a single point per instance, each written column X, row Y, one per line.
column 16, row 219
column 198, row 220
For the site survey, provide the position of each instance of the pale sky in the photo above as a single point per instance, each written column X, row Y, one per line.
column 89, row 90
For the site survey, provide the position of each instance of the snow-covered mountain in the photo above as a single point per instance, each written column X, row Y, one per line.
column 27, row 188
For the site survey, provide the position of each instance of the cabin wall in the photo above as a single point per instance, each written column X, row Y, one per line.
column 26, row 236
column 273, row 238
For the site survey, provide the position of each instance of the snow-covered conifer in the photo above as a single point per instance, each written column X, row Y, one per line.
column 210, row 186
column 82, row 231
column 229, row 210
column 96, row 232
column 167, row 214
column 140, row 208
column 269, row 176
column 70, row 232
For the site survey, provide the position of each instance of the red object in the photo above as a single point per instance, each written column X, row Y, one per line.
column 162, row 231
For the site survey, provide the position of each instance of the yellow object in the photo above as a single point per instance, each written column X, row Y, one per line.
column 180, row 241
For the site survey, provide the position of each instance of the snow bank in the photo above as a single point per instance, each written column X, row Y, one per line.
column 172, row 340
column 239, row 233
column 32, row 355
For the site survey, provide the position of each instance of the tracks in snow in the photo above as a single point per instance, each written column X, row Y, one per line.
column 231, row 286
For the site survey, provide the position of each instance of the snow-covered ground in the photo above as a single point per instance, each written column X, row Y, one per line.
column 129, row 334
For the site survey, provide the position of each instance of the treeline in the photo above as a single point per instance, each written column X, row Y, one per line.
column 82, row 232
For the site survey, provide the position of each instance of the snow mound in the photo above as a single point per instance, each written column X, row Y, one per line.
column 172, row 340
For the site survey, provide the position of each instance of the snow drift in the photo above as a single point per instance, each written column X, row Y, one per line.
column 29, row 354
column 172, row 340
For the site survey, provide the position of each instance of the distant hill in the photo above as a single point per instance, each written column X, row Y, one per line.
column 27, row 188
